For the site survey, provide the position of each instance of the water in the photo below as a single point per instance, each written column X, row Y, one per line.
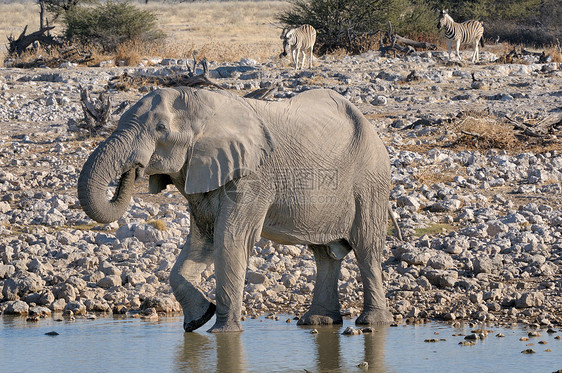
column 125, row 345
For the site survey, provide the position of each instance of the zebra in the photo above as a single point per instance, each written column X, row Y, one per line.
column 299, row 40
column 466, row 33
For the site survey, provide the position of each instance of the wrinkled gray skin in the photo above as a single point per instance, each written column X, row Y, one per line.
column 310, row 170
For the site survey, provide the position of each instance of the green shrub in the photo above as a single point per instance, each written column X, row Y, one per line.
column 342, row 24
column 419, row 21
column 110, row 24
column 517, row 21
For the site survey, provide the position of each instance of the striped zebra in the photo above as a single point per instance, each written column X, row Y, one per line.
column 299, row 40
column 469, row 32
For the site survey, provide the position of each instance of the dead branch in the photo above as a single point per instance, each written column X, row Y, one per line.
column 415, row 44
column 19, row 45
column 472, row 134
column 517, row 53
column 98, row 118
column 263, row 93
column 125, row 81
column 542, row 128
column 396, row 40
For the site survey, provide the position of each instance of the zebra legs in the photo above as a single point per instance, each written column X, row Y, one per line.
column 449, row 45
column 475, row 55
column 457, row 48
column 295, row 56
column 303, row 58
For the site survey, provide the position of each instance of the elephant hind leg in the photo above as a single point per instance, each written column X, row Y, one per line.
column 325, row 307
column 368, row 239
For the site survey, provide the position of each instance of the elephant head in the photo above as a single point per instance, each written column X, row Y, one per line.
column 208, row 138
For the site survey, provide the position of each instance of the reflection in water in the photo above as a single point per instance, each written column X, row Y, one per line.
column 198, row 350
column 329, row 343
column 374, row 349
column 328, row 349
column 195, row 354
column 230, row 356
column 264, row 346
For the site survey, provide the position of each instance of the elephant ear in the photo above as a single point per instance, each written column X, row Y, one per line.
column 233, row 143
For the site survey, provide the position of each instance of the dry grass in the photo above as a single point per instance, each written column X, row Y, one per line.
column 433, row 175
column 483, row 132
column 556, row 53
column 474, row 130
column 158, row 224
column 220, row 31
column 434, row 229
column 14, row 18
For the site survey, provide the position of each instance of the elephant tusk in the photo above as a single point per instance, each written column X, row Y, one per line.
column 139, row 173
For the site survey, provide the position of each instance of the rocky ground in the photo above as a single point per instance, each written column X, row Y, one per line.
column 480, row 208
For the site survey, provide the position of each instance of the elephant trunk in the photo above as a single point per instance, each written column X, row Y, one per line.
column 103, row 166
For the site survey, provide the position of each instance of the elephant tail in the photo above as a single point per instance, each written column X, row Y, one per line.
column 398, row 232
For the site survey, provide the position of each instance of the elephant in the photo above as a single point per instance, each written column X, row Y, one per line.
column 310, row 170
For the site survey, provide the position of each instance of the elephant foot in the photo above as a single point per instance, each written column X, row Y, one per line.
column 225, row 326
column 375, row 317
column 314, row 318
column 195, row 324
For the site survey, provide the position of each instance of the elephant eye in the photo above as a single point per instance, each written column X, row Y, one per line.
column 161, row 127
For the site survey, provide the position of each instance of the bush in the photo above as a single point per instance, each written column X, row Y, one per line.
column 342, row 24
column 110, row 24
column 534, row 22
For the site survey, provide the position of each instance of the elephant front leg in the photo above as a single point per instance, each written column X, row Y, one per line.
column 237, row 229
column 230, row 266
column 325, row 307
column 195, row 257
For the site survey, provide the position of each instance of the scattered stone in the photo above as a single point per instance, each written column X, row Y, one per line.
column 17, row 307
column 532, row 299
column 351, row 331
column 494, row 215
